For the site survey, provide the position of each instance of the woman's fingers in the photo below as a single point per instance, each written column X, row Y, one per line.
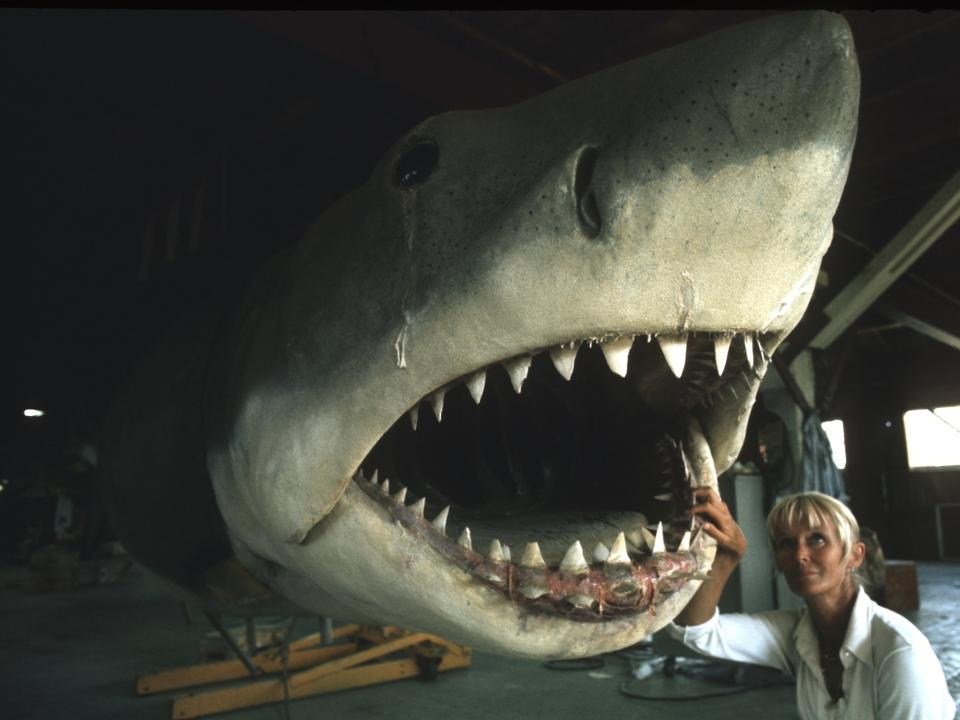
column 718, row 522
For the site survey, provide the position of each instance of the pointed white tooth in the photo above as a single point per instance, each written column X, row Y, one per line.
column 564, row 359
column 400, row 495
column 437, row 401
column 648, row 538
column 600, row 552
column 684, row 545
column 440, row 521
column 533, row 591
column 506, row 552
column 617, row 352
column 674, row 349
column 658, row 545
column 385, row 486
column 748, row 347
column 476, row 383
column 496, row 551
column 419, row 506
column 373, row 478
column 721, row 347
column 665, row 497
column 414, row 415
column 517, row 369
column 532, row 557
column 573, row 560
column 464, row 539
column 618, row 552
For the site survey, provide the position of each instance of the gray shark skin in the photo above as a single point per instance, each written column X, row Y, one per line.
column 582, row 292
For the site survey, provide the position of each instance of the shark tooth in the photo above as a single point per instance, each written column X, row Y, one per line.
column 496, row 551
column 419, row 506
column 437, row 401
column 440, row 521
column 400, row 495
column 564, row 359
column 635, row 537
column 517, row 369
column 648, row 538
column 476, row 383
column 658, row 545
column 373, row 478
column 414, row 415
column 533, row 591
column 684, row 545
column 532, row 558
column 665, row 497
column 721, row 347
column 748, row 347
column 573, row 560
column 464, row 539
column 506, row 552
column 617, row 353
column 618, row 552
column 600, row 552
column 674, row 349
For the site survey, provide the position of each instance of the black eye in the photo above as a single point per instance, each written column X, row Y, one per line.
column 416, row 164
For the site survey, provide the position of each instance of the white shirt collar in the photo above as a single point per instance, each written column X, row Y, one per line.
column 856, row 642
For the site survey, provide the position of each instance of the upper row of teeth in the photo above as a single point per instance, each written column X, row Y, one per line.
column 573, row 560
column 616, row 352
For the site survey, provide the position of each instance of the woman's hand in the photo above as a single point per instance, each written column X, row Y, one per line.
column 719, row 523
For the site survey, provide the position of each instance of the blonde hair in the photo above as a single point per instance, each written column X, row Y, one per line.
column 816, row 510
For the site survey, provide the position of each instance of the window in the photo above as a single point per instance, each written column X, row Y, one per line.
column 834, row 431
column 933, row 437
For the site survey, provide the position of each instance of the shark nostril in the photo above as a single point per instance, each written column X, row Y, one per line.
column 588, row 213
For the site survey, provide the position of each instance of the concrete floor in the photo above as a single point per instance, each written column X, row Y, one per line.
column 75, row 654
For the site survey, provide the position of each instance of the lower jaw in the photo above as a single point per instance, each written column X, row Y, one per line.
column 399, row 581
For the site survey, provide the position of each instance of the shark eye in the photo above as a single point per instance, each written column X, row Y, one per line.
column 417, row 163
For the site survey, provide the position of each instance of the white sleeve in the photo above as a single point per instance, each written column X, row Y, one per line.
column 910, row 686
column 760, row 639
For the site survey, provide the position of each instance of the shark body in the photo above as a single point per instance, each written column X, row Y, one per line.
column 475, row 398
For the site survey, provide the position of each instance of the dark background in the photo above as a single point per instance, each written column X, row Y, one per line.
column 152, row 157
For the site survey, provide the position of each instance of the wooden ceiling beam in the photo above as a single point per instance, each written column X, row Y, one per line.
column 933, row 219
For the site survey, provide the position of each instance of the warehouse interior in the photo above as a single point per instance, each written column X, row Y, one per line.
column 153, row 159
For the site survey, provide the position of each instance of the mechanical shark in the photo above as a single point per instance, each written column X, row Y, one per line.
column 476, row 398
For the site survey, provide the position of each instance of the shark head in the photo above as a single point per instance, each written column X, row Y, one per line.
column 478, row 395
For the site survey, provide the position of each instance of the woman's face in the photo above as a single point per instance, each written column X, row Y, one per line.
column 811, row 559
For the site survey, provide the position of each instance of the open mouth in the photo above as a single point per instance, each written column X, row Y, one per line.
column 564, row 478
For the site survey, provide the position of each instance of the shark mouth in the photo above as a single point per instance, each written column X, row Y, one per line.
column 563, row 479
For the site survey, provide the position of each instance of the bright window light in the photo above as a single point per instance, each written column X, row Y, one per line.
column 933, row 437
column 31, row 412
column 834, row 431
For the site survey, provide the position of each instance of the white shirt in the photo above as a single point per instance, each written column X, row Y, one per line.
column 890, row 672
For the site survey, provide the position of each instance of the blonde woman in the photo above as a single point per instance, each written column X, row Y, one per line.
column 851, row 657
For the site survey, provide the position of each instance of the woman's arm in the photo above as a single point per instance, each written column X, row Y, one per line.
column 731, row 546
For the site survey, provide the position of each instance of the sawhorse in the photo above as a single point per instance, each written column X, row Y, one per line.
column 308, row 668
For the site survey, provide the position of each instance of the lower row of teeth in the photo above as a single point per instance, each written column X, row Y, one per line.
column 574, row 579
